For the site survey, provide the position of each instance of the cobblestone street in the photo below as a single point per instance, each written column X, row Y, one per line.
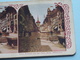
column 54, row 46
column 43, row 44
column 4, row 48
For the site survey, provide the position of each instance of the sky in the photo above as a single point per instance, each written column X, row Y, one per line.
column 37, row 10
column 40, row 11
column 2, row 8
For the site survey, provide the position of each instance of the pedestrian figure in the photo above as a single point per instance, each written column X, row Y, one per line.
column 51, row 33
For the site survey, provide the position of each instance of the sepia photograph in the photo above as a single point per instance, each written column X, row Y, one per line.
column 41, row 28
column 36, row 28
column 8, row 30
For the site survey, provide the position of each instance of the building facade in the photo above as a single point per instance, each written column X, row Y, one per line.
column 11, row 22
column 54, row 20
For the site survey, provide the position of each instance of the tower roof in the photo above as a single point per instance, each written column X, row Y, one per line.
column 38, row 20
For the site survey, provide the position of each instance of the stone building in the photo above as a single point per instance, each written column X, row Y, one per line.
column 29, row 40
column 11, row 22
column 54, row 20
column 8, row 20
column 53, row 25
column 8, row 26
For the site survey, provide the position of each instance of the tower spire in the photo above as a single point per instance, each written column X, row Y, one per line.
column 38, row 20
